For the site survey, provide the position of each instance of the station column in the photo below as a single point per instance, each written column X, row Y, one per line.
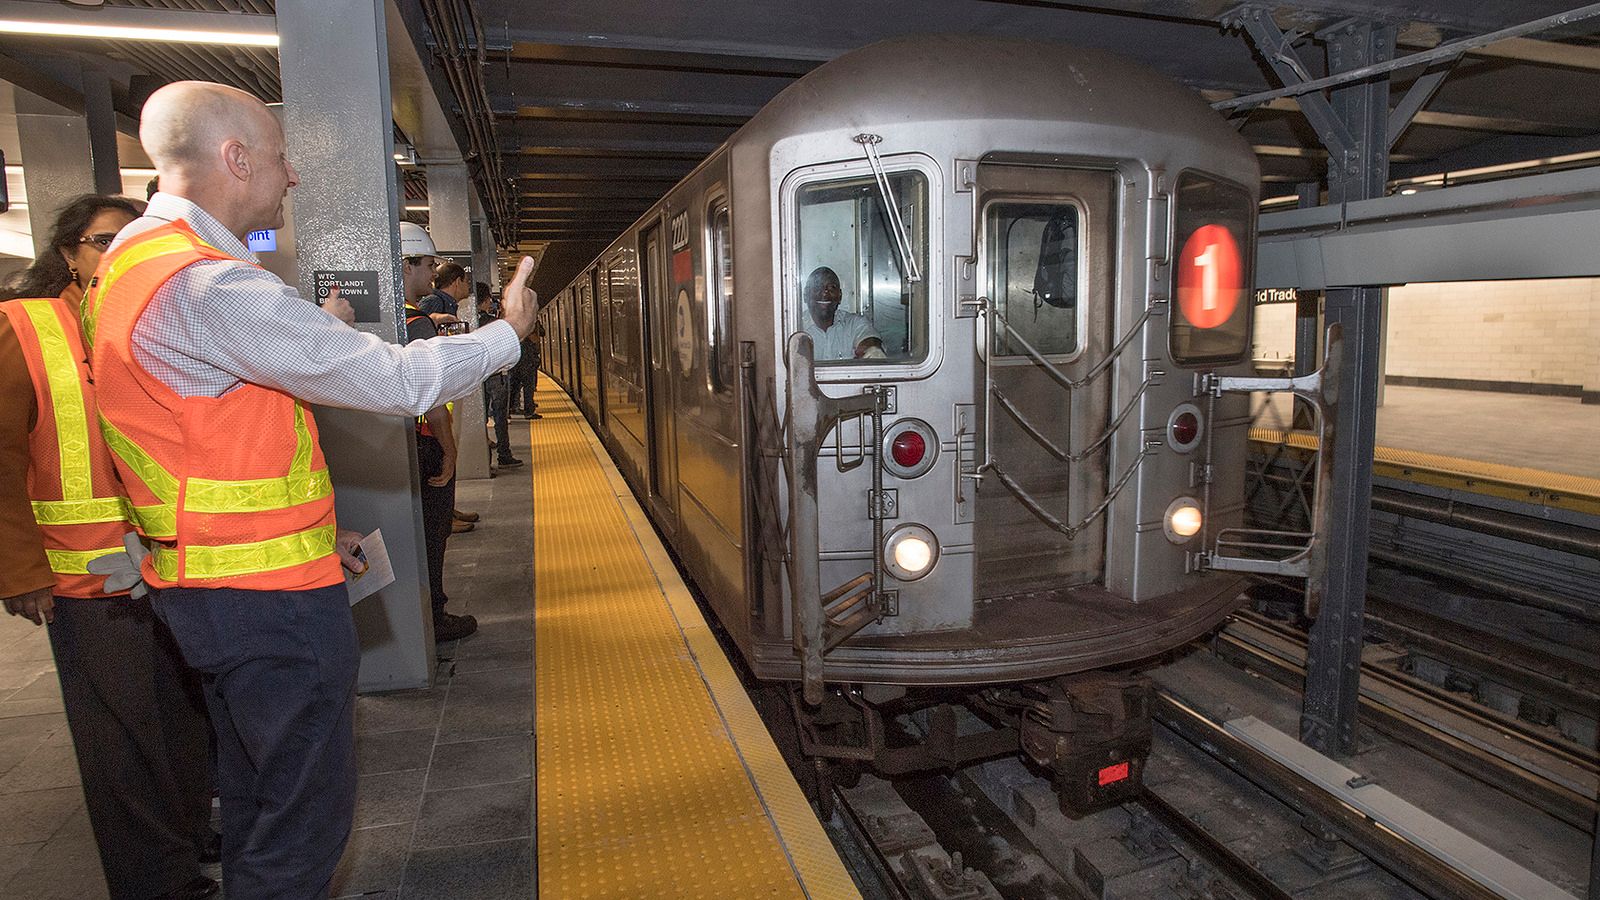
column 66, row 152
column 450, row 225
column 334, row 60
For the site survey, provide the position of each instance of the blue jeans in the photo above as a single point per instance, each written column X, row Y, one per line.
column 279, row 670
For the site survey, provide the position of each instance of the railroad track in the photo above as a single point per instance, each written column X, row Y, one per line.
column 1534, row 763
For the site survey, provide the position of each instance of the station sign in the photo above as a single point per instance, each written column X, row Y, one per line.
column 360, row 289
column 263, row 241
column 1277, row 295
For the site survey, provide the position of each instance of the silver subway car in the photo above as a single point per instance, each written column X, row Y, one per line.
column 912, row 373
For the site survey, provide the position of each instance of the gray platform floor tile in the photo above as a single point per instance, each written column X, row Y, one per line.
column 466, row 741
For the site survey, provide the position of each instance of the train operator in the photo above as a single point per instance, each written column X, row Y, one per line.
column 205, row 364
column 837, row 333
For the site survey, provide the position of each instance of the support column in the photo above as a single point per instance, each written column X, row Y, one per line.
column 450, row 193
column 66, row 152
column 1357, row 170
column 342, row 143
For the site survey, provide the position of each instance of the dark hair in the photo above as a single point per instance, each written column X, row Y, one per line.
column 49, row 275
column 447, row 273
column 480, row 292
column 151, row 188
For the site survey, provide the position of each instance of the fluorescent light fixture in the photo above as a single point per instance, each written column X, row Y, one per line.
column 139, row 33
column 139, row 24
column 416, row 209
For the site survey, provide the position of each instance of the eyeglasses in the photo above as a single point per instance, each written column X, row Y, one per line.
column 102, row 240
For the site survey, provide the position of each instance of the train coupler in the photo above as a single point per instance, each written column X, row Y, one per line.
column 1093, row 734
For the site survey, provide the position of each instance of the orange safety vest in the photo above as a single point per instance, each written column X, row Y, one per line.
column 81, row 507
column 233, row 489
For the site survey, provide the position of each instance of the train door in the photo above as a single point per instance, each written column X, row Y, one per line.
column 1046, row 264
column 588, row 370
column 658, row 387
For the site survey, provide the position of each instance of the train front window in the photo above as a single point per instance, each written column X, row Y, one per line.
column 855, row 297
column 1033, row 277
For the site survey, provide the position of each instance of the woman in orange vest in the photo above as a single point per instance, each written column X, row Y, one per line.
column 131, row 703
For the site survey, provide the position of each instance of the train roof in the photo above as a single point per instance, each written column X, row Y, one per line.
column 952, row 78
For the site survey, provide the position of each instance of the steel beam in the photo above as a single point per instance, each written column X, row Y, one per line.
column 1359, row 172
column 661, row 59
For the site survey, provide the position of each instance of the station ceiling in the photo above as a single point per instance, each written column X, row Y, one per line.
column 599, row 107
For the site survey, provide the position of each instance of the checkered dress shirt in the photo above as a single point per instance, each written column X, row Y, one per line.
column 220, row 323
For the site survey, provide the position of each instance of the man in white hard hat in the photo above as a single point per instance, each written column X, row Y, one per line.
column 436, row 441
column 207, row 365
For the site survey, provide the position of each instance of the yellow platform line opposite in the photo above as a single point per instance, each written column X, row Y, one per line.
column 655, row 775
column 1538, row 486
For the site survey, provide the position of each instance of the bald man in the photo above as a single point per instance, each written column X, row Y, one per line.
column 207, row 363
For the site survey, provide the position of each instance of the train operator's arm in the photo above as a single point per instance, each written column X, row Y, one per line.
column 245, row 321
column 868, row 343
column 26, row 583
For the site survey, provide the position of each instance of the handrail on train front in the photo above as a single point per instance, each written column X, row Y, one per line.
column 811, row 415
column 1321, row 390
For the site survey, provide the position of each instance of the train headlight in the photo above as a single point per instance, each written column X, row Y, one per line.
column 909, row 448
column 910, row 552
column 1183, row 520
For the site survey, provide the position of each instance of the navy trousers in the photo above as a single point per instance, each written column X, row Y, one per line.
column 279, row 671
column 139, row 729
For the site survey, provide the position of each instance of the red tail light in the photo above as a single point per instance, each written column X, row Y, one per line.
column 1113, row 774
column 908, row 449
column 1185, row 428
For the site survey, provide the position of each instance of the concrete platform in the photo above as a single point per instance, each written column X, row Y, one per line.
column 1553, row 434
column 445, row 797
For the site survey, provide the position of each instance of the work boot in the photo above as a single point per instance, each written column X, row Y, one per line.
column 449, row 627
column 460, row 516
column 460, row 527
column 510, row 462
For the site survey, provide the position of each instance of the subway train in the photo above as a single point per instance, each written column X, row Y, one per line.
column 953, row 527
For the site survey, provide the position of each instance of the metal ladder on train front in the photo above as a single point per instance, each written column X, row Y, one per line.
column 821, row 621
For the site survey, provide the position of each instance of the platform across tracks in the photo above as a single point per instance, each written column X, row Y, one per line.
column 655, row 776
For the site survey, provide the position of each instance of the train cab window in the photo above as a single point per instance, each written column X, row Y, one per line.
column 721, row 358
column 1033, row 251
column 856, row 299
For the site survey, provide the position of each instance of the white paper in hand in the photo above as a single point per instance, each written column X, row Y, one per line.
column 379, row 573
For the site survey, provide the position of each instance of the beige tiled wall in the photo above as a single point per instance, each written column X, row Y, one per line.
column 1532, row 332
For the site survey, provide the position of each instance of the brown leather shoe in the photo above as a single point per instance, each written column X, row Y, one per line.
column 460, row 516
column 461, row 527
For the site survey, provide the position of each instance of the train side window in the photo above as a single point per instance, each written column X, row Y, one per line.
column 846, row 239
column 622, row 314
column 1033, row 277
column 722, row 355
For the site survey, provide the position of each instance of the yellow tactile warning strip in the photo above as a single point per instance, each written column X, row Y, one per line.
column 1511, row 482
column 656, row 777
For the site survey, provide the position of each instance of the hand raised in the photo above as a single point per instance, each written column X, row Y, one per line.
column 519, row 303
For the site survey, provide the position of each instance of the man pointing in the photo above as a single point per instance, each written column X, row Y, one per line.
column 206, row 365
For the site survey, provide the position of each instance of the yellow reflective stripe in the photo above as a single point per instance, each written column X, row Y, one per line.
column 159, row 521
column 228, row 560
column 302, row 444
column 158, row 480
column 76, row 562
column 66, row 396
column 124, row 261
column 261, row 495
column 81, row 512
